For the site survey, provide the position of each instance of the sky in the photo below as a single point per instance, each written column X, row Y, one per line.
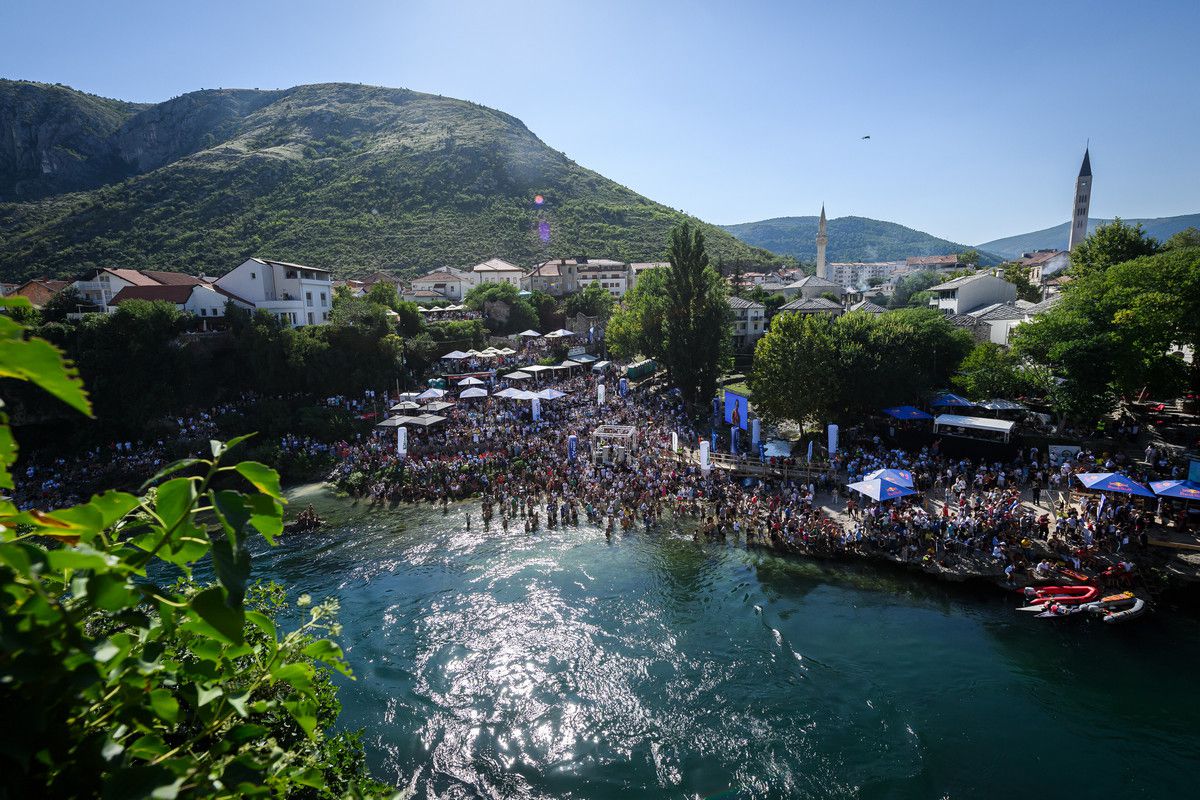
column 978, row 112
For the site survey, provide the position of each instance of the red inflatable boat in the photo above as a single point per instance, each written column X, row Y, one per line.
column 1063, row 595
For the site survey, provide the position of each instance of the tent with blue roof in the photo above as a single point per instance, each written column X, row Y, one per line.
column 881, row 490
column 1113, row 482
column 951, row 400
column 907, row 412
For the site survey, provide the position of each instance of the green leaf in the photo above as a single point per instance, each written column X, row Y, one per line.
column 239, row 703
column 148, row 747
column 305, row 713
column 226, row 622
column 263, row 623
column 165, row 705
column 113, row 506
column 81, row 557
column 8, row 454
column 206, row 696
column 266, row 516
column 327, row 652
column 142, row 783
column 110, row 592
column 175, row 500
column 40, row 363
column 265, row 479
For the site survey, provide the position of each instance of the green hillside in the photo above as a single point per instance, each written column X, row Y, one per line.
column 1161, row 228
column 850, row 239
column 351, row 177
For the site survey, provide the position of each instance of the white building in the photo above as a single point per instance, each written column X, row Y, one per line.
column 297, row 294
column 101, row 287
column 201, row 300
column 450, row 284
column 497, row 270
column 611, row 275
column 859, row 274
column 813, row 286
column 971, row 292
column 749, row 322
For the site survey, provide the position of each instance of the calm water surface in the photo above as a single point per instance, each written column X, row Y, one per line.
column 495, row 664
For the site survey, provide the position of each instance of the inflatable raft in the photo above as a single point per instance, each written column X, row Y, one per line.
column 1118, row 607
column 1063, row 595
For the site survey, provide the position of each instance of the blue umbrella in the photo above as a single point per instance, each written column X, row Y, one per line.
column 900, row 477
column 949, row 400
column 881, row 490
column 1113, row 482
column 907, row 412
column 1183, row 489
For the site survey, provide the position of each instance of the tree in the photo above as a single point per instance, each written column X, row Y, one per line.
column 1188, row 237
column 504, row 311
column 990, row 370
column 969, row 257
column 909, row 285
column 1018, row 275
column 636, row 327
column 593, row 301
column 383, row 293
column 127, row 686
column 1114, row 243
column 68, row 301
column 550, row 316
column 698, row 340
column 795, row 373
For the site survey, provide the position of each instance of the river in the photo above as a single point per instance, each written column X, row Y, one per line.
column 500, row 664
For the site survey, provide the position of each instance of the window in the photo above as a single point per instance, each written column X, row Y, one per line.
column 204, row 312
column 291, row 273
column 323, row 303
column 308, row 299
column 310, row 318
column 215, row 314
column 253, row 276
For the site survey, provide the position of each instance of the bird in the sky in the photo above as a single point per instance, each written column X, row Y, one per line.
column 868, row 136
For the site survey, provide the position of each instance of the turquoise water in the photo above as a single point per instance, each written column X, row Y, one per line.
column 494, row 664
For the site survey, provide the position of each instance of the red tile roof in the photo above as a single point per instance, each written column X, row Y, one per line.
column 172, row 294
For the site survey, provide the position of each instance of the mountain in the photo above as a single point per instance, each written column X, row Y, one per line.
column 350, row 177
column 850, row 239
column 1161, row 228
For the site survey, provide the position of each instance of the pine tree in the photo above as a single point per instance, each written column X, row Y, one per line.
column 698, row 339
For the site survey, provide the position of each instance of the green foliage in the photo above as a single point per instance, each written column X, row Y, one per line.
column 990, row 370
column 697, row 321
column 970, row 257
column 128, row 688
column 1018, row 275
column 636, row 328
column 908, row 287
column 593, row 301
column 550, row 316
column 383, row 293
column 1113, row 332
column 1114, row 243
column 1188, row 237
column 332, row 175
column 503, row 310
column 68, row 301
column 816, row 368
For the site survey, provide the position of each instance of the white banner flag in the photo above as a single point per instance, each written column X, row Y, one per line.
column 537, row 408
column 833, row 439
column 704, row 456
column 401, row 441
column 755, row 432
column 600, row 394
column 674, row 441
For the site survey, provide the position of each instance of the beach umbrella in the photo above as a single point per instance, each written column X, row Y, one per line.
column 469, row 393
column 550, row 394
column 406, row 405
column 900, row 477
column 507, row 351
column 532, row 334
column 950, row 400
column 408, row 396
column 907, row 412
column 535, row 368
column 438, row 405
column 506, row 392
column 517, row 376
column 1186, row 490
column 455, row 355
column 558, row 334
column 881, row 490
column 432, row 394
column 1113, row 482
column 568, row 364
column 470, row 381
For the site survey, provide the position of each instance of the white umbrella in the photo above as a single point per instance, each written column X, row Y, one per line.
column 407, row 405
column 507, row 351
column 559, row 333
column 470, row 381
column 568, row 364
column 530, row 333
column 408, row 396
column 551, row 394
column 468, row 393
column 509, row 392
column 517, row 376
column 432, row 394
column 536, row 368
column 455, row 355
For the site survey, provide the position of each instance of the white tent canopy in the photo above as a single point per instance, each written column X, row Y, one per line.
column 466, row 394
column 432, row 394
column 531, row 333
column 550, row 394
column 470, row 381
column 455, row 355
column 955, row 424
column 536, row 368
column 517, row 376
column 558, row 334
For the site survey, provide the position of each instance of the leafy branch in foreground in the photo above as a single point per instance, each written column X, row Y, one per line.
column 115, row 685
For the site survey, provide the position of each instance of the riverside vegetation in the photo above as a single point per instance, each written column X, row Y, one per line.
column 133, row 677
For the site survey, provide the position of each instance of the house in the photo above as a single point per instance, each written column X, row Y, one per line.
column 861, row 273
column 357, row 288
column 451, row 284
column 868, row 307
column 497, row 270
column 749, row 322
column 611, row 275
column 379, row 276
column 932, row 262
column 39, row 291
column 556, row 278
column 811, row 287
column 971, row 292
column 299, row 295
column 423, row 296
column 1044, row 264
column 638, row 267
column 201, row 299
column 812, row 305
column 980, row 330
column 1001, row 319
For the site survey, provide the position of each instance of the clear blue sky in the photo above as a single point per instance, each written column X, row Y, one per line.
column 977, row 111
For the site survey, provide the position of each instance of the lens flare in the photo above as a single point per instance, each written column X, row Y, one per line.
column 544, row 231
column 538, row 200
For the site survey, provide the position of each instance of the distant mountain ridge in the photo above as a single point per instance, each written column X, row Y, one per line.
column 350, row 177
column 1161, row 228
column 850, row 239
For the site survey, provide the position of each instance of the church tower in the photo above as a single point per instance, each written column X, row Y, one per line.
column 1083, row 200
column 822, row 240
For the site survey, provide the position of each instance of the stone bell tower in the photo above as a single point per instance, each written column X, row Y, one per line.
column 822, row 240
column 1083, row 200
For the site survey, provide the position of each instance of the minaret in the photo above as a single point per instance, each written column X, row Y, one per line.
column 822, row 240
column 1083, row 200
